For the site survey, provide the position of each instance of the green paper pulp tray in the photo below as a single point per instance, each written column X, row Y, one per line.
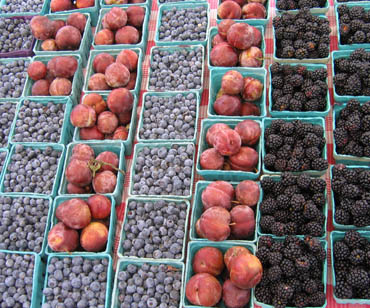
column 120, row 250
column 85, row 44
column 315, row 121
column 197, row 211
column 112, row 227
column 193, row 247
column 167, row 94
column 67, row 128
column 42, row 146
column 300, row 114
column 180, row 6
column 12, row 126
column 215, row 85
column 44, row 10
column 98, row 147
column 226, row 175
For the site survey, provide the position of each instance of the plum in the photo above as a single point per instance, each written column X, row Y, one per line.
column 203, row 290
column 37, row 70
column 245, row 160
column 224, row 26
column 232, row 253
column 208, row 260
column 77, row 20
column 234, row 297
column 249, row 131
column 243, row 222
column 68, row 38
column 78, row 173
column 223, row 54
column 240, row 36
column 115, row 19
column 228, row 105
column 83, row 152
column 252, row 89
column 117, row 75
column 41, row 27
column 74, row 213
column 60, row 87
column 229, row 10
column 210, row 159
column 247, row 192
column 107, row 122
column 246, row 271
column 228, row 142
column 120, row 101
column 213, row 132
column 105, row 182
column 91, row 133
column 83, row 116
column 218, row 193
column 62, row 66
column 100, row 206
column 108, row 157
column 232, row 82
column 214, row 223
column 94, row 237
column 95, row 101
column 63, row 239
column 102, row 61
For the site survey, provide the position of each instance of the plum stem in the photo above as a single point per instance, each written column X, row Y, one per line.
column 232, row 224
column 95, row 165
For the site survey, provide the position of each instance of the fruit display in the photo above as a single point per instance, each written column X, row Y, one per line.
column 90, row 216
column 14, row 74
column 294, row 40
column 20, row 6
column 351, row 265
column 236, row 44
column 15, row 34
column 242, row 9
column 8, row 109
column 293, row 272
column 293, row 205
column 227, row 275
column 66, row 5
column 287, row 5
column 350, row 187
column 3, row 155
column 114, row 2
column 121, row 26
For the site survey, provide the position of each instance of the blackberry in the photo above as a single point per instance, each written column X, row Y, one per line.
column 285, row 291
column 340, row 137
column 313, row 153
column 275, row 67
column 343, row 290
column 365, row 138
column 277, row 246
column 352, row 239
column 276, row 94
column 276, row 124
column 263, row 295
column 317, row 185
column 310, row 210
column 280, row 164
column 288, row 89
column 268, row 206
column 279, row 302
column 310, row 286
column 287, row 266
column 341, row 251
column 342, row 217
column 274, row 273
column 266, row 223
column 281, row 216
column 358, row 278
column 291, row 228
column 319, row 164
column 274, row 141
column 267, row 184
column 301, row 300
column 262, row 254
column 318, row 299
column 295, row 105
column 357, row 257
column 292, row 252
column 302, row 264
column 275, row 258
column 314, row 229
column 356, row 12
column 361, row 221
column 278, row 188
column 301, row 53
column 360, row 208
column 269, row 160
column 288, row 52
column 278, row 228
column 265, row 241
column 277, row 82
column 303, row 181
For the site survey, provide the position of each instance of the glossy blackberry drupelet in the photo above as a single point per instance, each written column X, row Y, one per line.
column 19, row 6
column 7, row 111
column 13, row 77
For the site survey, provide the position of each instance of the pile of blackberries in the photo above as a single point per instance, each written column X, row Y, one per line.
column 31, row 170
column 169, row 117
column 352, row 266
column 294, row 146
column 351, row 188
column 76, row 282
column 352, row 129
column 155, row 229
column 354, row 24
column 299, row 4
column 19, row 6
column 149, row 286
column 3, row 155
column 177, row 70
column 301, row 35
column 7, row 111
column 292, row 272
column 15, row 34
column 13, row 77
column 293, row 205
column 351, row 75
column 294, row 88
column 16, row 272
column 188, row 24
column 162, row 171
column 37, row 122
column 23, row 223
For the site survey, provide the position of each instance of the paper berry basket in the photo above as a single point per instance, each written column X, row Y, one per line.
column 43, row 11
column 85, row 44
column 299, row 114
column 121, row 250
column 197, row 211
column 16, row 103
column 226, row 175
column 179, row 6
column 215, row 79
column 193, row 247
column 104, row 5
column 112, row 226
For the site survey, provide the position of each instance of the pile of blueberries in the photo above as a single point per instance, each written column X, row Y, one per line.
column 31, row 170
column 37, row 122
column 15, row 34
column 163, row 171
column 7, row 111
column 188, row 24
column 169, row 117
column 155, row 229
column 19, row 6
column 16, row 272
column 2, row 160
column 23, row 222
column 149, row 286
column 76, row 282
column 13, row 77
column 177, row 70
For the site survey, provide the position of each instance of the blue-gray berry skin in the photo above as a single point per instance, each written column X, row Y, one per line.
column 15, row 34
column 13, row 77
column 3, row 155
column 20, row 6
column 7, row 111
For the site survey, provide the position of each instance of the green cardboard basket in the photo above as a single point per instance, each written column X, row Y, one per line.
column 193, row 247
column 316, row 121
column 12, row 126
column 120, row 250
column 85, row 44
column 344, row 158
column 44, row 10
column 67, row 128
column 98, row 147
column 215, row 85
column 167, row 94
column 300, row 114
column 197, row 211
column 180, row 6
column 57, row 147
column 131, row 133
column 112, row 227
column 226, row 175
column 113, row 52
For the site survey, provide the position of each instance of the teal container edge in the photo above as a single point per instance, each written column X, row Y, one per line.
column 167, row 145
column 319, row 121
column 181, row 5
column 44, row 10
column 193, row 247
column 167, row 94
column 215, row 85
column 55, row 146
column 17, row 103
column 111, row 233
column 226, row 175
column 4, row 161
column 334, row 237
column 300, row 114
column 122, row 234
column 91, row 257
